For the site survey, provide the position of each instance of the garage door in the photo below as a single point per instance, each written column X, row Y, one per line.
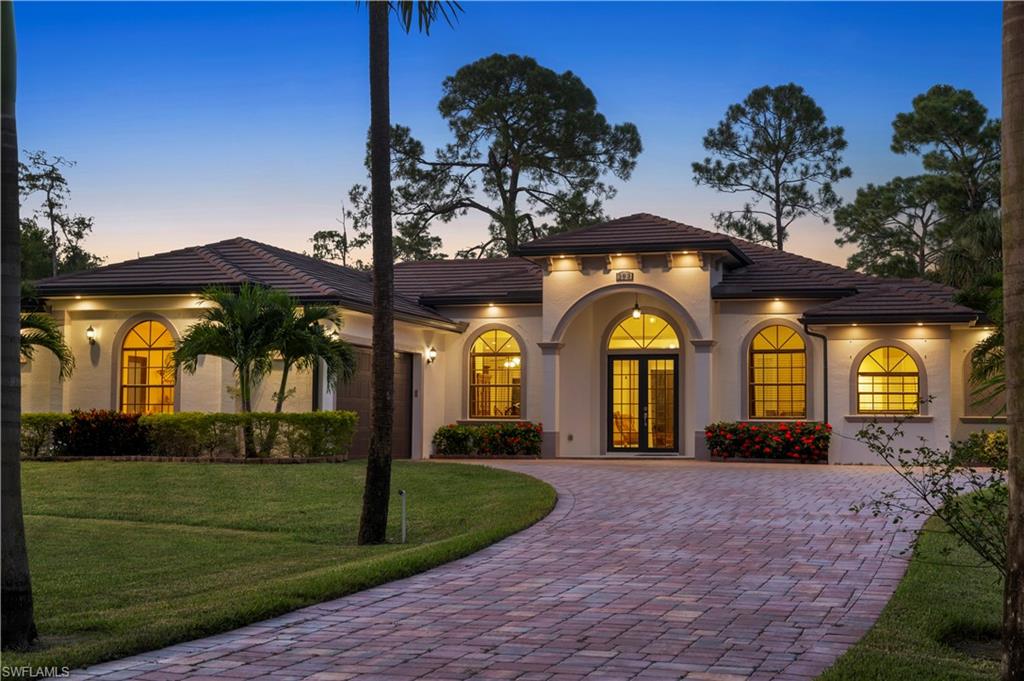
column 355, row 395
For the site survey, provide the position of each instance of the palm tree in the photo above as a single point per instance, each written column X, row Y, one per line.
column 17, row 621
column 374, row 519
column 241, row 327
column 302, row 342
column 1013, row 327
column 39, row 329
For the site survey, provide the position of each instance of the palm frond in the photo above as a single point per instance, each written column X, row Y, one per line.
column 40, row 330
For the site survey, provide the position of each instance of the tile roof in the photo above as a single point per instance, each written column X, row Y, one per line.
column 231, row 263
column 640, row 232
column 451, row 282
column 758, row 272
column 754, row 272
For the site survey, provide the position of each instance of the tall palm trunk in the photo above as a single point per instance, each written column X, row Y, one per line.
column 1013, row 307
column 245, row 394
column 18, row 622
column 374, row 521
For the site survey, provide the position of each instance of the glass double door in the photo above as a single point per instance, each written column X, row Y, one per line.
column 643, row 402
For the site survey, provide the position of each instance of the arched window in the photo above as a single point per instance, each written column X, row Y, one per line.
column 646, row 332
column 147, row 377
column 888, row 382
column 495, row 381
column 778, row 374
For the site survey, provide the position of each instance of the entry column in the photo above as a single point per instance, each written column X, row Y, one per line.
column 552, row 378
column 701, row 378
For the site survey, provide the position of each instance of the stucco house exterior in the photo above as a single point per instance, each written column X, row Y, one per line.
column 624, row 338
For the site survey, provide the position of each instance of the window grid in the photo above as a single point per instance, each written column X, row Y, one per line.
column 495, row 376
column 888, row 382
column 778, row 374
column 147, row 373
column 625, row 403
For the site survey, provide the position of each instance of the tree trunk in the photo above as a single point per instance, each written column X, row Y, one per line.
column 18, row 621
column 271, row 439
column 1013, row 306
column 245, row 394
column 374, row 520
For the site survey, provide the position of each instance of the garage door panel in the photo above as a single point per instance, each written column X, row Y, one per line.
column 356, row 395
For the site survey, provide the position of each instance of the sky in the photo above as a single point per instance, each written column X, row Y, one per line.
column 196, row 122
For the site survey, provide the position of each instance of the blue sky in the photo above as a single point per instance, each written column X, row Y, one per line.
column 193, row 122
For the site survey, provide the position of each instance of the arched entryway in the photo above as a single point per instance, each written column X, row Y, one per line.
column 642, row 407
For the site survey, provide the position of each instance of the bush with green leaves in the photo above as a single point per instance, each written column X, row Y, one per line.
column 186, row 434
column 970, row 499
column 515, row 438
column 37, row 432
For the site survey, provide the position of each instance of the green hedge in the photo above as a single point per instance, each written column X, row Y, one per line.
column 188, row 434
column 983, row 449
column 805, row 441
column 516, row 438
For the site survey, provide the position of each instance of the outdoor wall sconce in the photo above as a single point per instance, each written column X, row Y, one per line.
column 636, row 309
column 431, row 354
column 90, row 333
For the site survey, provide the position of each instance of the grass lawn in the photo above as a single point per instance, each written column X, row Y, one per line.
column 941, row 599
column 128, row 557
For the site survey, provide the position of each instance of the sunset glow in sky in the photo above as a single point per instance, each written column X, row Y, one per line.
column 195, row 122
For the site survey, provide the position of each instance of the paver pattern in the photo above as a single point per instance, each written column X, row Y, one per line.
column 645, row 570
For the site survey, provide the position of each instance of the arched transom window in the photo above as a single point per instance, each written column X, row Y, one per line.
column 147, row 377
column 646, row 332
column 778, row 374
column 888, row 382
column 495, row 382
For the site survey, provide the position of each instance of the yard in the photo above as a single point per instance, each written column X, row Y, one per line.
column 127, row 557
column 931, row 628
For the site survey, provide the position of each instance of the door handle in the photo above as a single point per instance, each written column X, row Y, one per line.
column 644, row 417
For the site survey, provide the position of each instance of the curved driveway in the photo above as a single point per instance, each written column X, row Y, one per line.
column 644, row 570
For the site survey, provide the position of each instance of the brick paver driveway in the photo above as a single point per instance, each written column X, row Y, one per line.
column 645, row 570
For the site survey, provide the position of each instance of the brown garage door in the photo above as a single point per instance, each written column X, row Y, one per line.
column 355, row 395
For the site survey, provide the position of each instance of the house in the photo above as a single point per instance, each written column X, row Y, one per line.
column 624, row 339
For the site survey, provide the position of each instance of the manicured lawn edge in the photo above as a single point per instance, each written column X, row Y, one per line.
column 306, row 589
column 941, row 597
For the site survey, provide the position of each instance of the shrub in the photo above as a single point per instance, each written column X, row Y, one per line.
column 37, row 432
column 805, row 441
column 989, row 450
column 971, row 502
column 101, row 432
column 516, row 438
column 186, row 434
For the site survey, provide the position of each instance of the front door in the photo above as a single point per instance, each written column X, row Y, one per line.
column 642, row 403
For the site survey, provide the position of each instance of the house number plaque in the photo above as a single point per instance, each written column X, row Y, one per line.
column 623, row 276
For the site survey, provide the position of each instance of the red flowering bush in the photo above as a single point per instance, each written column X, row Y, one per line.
column 804, row 441
column 101, row 432
column 515, row 438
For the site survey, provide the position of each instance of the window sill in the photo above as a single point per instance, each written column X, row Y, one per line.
column 982, row 419
column 482, row 421
column 888, row 418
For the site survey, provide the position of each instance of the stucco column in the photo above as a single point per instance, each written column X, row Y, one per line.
column 702, row 379
column 550, row 414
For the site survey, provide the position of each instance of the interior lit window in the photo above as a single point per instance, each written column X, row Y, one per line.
column 778, row 374
column 888, row 382
column 496, row 369
column 147, row 377
column 648, row 332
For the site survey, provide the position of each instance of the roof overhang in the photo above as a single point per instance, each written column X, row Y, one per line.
column 724, row 246
column 902, row 318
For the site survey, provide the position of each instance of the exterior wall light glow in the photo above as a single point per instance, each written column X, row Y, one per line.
column 431, row 354
column 636, row 310
column 920, row 323
column 90, row 334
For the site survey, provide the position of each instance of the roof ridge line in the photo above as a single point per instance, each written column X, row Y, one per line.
column 219, row 262
column 276, row 261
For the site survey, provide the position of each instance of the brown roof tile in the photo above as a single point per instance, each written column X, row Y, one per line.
column 230, row 263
